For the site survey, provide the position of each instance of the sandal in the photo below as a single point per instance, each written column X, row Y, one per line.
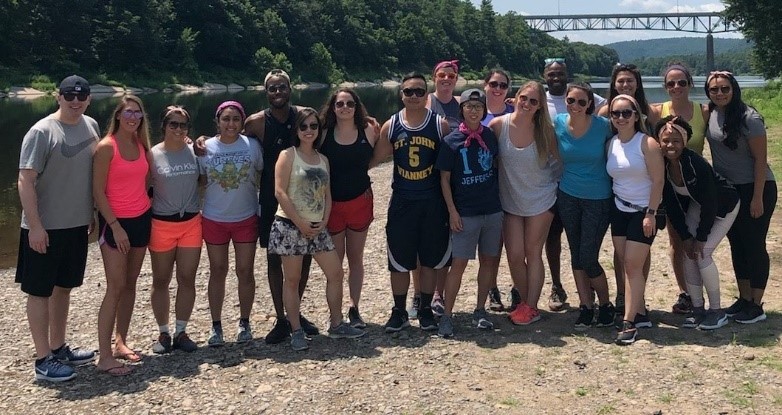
column 122, row 370
column 130, row 356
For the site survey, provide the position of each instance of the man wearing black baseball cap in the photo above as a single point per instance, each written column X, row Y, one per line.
column 55, row 189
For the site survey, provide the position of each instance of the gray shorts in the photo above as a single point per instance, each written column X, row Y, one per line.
column 285, row 239
column 483, row 232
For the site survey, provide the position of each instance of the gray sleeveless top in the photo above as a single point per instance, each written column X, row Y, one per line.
column 525, row 188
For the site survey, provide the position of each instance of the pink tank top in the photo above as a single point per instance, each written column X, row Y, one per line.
column 126, row 184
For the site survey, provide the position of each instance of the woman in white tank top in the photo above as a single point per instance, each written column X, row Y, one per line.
column 636, row 165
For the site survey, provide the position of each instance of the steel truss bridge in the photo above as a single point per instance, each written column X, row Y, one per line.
column 701, row 22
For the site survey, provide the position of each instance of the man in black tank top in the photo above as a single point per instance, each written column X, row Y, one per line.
column 417, row 224
column 272, row 127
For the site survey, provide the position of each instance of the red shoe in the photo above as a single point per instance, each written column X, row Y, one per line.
column 524, row 314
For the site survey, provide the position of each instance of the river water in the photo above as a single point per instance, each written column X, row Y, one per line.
column 18, row 115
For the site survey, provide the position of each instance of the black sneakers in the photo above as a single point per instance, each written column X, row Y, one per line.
column 398, row 320
column 736, row 307
column 585, row 317
column 751, row 313
column 605, row 315
column 308, row 327
column 280, row 332
column 426, row 319
column 495, row 300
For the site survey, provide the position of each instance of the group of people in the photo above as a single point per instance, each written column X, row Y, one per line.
column 477, row 171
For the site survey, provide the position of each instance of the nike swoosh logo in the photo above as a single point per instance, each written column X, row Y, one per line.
column 72, row 151
column 44, row 372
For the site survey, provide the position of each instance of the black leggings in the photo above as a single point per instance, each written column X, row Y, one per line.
column 585, row 222
column 747, row 236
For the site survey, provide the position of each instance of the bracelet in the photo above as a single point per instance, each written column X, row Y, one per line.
column 650, row 211
column 113, row 222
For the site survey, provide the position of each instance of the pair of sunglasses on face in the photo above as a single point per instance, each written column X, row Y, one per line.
column 500, row 85
column 445, row 75
column 409, row 92
column 342, row 104
column 71, row 97
column 581, row 102
column 625, row 113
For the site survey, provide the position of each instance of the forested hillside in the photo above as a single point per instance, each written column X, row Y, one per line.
column 239, row 40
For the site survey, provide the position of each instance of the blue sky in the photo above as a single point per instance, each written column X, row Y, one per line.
column 538, row 7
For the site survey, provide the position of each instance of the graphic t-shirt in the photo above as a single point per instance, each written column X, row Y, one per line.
column 232, row 172
column 175, row 180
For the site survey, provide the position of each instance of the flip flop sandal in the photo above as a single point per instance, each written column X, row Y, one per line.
column 131, row 357
column 117, row 371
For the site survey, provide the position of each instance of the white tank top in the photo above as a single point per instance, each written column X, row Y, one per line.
column 307, row 188
column 627, row 166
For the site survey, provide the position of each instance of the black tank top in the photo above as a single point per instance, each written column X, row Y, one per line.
column 276, row 137
column 349, row 166
column 415, row 152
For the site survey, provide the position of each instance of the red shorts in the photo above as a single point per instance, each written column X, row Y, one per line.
column 167, row 235
column 220, row 233
column 355, row 214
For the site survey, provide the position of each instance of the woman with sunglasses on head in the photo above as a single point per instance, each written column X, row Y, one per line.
column 302, row 188
column 701, row 206
column 528, row 155
column 230, row 170
column 626, row 79
column 739, row 150
column 584, row 199
column 636, row 166
column 677, row 81
column 176, row 228
column 348, row 143
column 119, row 187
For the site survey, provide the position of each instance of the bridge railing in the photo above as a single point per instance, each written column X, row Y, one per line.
column 704, row 22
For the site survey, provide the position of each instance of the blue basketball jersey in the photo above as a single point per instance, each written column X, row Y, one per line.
column 415, row 153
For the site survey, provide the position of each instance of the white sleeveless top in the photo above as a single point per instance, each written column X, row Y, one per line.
column 307, row 188
column 627, row 166
column 526, row 189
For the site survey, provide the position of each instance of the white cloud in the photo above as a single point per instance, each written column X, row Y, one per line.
column 707, row 7
column 648, row 5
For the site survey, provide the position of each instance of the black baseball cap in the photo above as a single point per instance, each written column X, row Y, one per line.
column 74, row 84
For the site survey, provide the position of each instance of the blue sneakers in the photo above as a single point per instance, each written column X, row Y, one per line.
column 74, row 357
column 53, row 370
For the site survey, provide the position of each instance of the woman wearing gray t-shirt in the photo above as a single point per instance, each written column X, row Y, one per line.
column 739, row 148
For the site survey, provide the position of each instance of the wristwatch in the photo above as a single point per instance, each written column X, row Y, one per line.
column 652, row 211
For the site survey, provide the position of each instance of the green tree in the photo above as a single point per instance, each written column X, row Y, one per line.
column 322, row 67
column 758, row 20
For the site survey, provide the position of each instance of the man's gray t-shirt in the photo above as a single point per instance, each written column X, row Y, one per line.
column 175, row 180
column 738, row 166
column 61, row 154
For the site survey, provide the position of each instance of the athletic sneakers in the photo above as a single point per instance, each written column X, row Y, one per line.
column 626, row 336
column 642, row 321
column 445, row 328
column 412, row 312
column 163, row 344
column 280, row 332
column 695, row 318
column 557, row 298
column 426, row 319
column 683, row 304
column 182, row 342
column 216, row 337
column 355, row 318
column 438, row 308
column 713, row 320
column 398, row 320
column 736, row 307
column 245, row 333
column 299, row 340
column 74, row 357
column 524, row 314
column 752, row 313
column 515, row 299
column 480, row 318
column 53, row 370
column 495, row 300
column 308, row 327
column 605, row 315
column 585, row 317
column 345, row 331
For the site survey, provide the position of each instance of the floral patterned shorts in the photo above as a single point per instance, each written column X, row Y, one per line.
column 285, row 239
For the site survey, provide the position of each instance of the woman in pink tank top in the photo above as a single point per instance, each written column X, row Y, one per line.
column 119, row 187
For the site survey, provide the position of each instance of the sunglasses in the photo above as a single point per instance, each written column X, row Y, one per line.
column 619, row 67
column 445, row 75
column 500, row 85
column 625, row 113
column 71, row 97
column 549, row 61
column 174, row 125
column 273, row 89
column 581, row 102
column 419, row 92
column 681, row 82
column 715, row 89
column 532, row 101
column 349, row 104
column 312, row 126
column 130, row 114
